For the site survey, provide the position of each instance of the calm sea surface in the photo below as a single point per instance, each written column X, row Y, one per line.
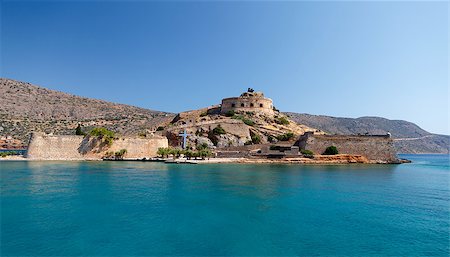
column 132, row 208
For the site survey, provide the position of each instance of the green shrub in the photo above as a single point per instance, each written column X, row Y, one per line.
column 285, row 137
column 175, row 152
column 204, row 153
column 282, row 120
column 109, row 154
column 256, row 139
column 307, row 152
column 230, row 113
column 219, row 130
column 271, row 139
column 203, row 114
column 160, row 128
column 163, row 151
column 7, row 153
column 274, row 147
column 106, row 136
column 202, row 146
column 120, row 154
column 331, row 150
column 249, row 142
column 248, row 122
column 79, row 131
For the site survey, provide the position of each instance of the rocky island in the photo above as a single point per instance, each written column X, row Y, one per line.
column 245, row 128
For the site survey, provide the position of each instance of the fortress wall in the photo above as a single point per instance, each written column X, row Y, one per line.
column 227, row 104
column 139, row 147
column 52, row 147
column 374, row 148
column 71, row 147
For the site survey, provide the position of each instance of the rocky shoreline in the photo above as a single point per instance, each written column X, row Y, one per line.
column 317, row 159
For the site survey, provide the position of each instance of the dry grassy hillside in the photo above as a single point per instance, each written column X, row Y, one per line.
column 25, row 107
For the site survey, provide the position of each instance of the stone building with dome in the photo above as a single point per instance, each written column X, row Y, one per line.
column 249, row 101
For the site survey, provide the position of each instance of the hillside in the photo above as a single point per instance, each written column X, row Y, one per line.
column 25, row 107
column 408, row 137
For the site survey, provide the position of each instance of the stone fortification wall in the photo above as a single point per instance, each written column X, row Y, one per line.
column 70, row 147
column 248, row 104
column 374, row 148
column 51, row 147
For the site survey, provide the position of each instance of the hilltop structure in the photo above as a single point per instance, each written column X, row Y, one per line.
column 248, row 126
column 249, row 101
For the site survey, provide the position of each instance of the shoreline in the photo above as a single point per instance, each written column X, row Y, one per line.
column 317, row 160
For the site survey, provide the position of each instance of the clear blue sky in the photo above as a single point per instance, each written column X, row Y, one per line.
column 347, row 59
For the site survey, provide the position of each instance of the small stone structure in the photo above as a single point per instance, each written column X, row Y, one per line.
column 71, row 147
column 377, row 148
column 249, row 101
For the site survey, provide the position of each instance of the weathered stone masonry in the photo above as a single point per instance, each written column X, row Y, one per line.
column 374, row 148
column 248, row 102
column 71, row 147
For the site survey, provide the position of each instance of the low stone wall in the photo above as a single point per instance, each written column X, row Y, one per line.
column 71, row 147
column 374, row 148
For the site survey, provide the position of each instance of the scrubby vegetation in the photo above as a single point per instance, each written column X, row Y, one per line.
column 256, row 139
column 120, row 154
column 246, row 120
column 8, row 153
column 249, row 142
column 282, row 120
column 219, row 130
column 274, row 147
column 331, row 150
column 230, row 113
column 105, row 135
column 176, row 153
column 286, row 136
column 160, row 128
column 307, row 153
column 79, row 131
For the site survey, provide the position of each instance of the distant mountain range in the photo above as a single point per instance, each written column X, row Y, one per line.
column 408, row 137
column 25, row 107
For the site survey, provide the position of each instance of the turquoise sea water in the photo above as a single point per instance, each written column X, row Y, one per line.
column 134, row 208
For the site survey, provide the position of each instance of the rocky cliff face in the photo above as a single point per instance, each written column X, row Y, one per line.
column 408, row 137
column 25, row 108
